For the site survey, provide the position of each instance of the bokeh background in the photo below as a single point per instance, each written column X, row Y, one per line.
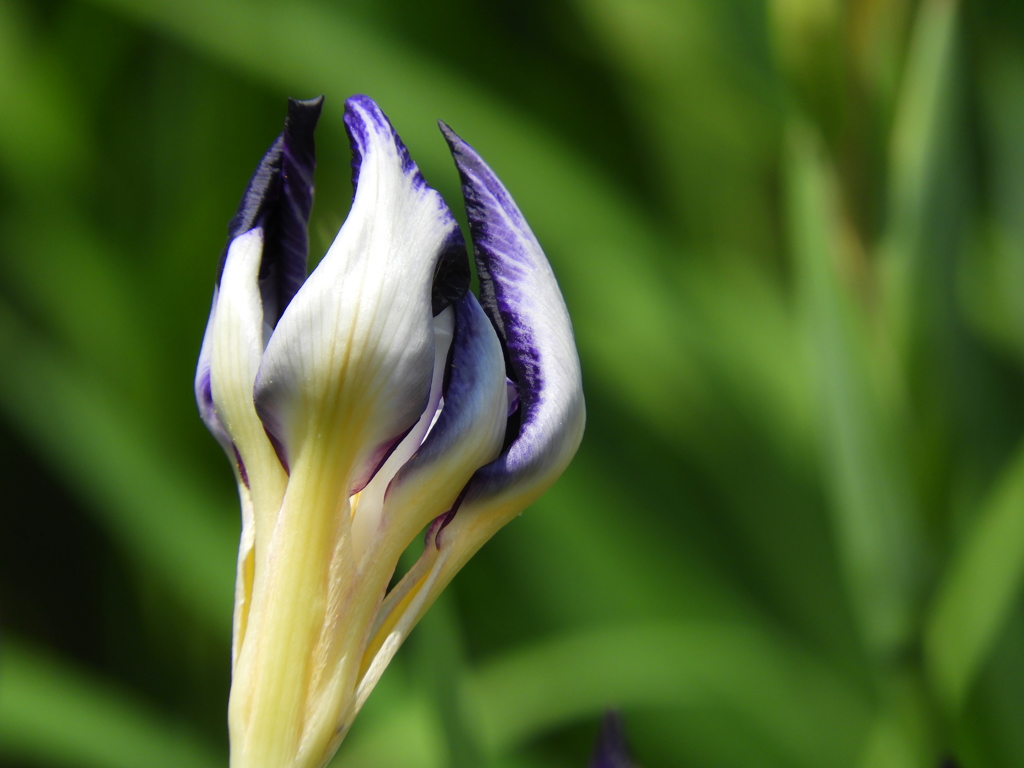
column 791, row 236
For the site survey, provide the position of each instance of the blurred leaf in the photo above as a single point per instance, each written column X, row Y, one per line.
column 916, row 129
column 709, row 109
column 168, row 520
column 69, row 277
column 900, row 735
column 879, row 30
column 697, row 82
column 53, row 714
column 874, row 513
column 745, row 328
column 924, row 114
column 438, row 652
column 979, row 590
column 995, row 271
column 40, row 130
column 582, row 555
column 709, row 738
column 816, row 718
column 994, row 710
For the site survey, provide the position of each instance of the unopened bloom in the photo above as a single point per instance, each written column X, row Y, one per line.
column 611, row 750
column 359, row 406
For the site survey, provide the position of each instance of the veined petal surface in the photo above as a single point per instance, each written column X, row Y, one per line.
column 351, row 359
column 237, row 348
column 237, row 341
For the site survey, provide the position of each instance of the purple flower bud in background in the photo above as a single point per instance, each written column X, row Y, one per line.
column 611, row 750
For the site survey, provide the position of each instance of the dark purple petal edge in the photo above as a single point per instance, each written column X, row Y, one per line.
column 509, row 262
column 279, row 198
column 207, row 410
column 451, row 274
column 204, row 386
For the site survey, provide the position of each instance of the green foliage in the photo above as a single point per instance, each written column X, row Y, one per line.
column 791, row 236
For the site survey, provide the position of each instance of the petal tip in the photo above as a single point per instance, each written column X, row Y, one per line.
column 481, row 186
column 520, row 294
column 365, row 120
column 299, row 126
column 279, row 197
column 449, row 135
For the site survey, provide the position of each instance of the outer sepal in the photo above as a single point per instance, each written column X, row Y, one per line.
column 262, row 266
column 519, row 291
column 521, row 296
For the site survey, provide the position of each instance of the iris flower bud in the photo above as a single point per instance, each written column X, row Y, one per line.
column 611, row 750
column 362, row 404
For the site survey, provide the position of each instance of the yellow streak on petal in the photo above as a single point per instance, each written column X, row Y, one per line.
column 389, row 623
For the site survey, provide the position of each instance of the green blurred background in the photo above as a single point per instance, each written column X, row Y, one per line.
column 791, row 236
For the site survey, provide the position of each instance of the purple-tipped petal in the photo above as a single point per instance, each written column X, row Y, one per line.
column 611, row 750
column 279, row 199
column 536, row 405
column 451, row 275
column 363, row 121
column 521, row 296
column 356, row 342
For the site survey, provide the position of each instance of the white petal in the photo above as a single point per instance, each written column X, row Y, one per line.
column 236, row 351
column 368, row 504
column 347, row 371
column 238, row 335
